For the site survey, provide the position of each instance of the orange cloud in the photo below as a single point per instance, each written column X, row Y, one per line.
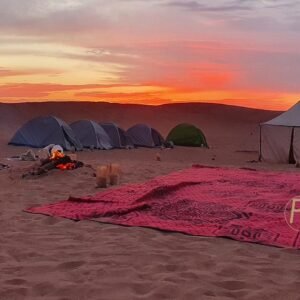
column 147, row 98
column 28, row 90
column 12, row 73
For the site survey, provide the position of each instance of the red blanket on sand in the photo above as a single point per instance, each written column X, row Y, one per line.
column 242, row 204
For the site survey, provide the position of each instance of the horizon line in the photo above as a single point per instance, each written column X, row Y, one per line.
column 139, row 104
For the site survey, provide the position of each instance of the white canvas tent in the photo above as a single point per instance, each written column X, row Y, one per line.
column 280, row 137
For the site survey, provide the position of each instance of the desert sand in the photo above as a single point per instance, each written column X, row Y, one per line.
column 52, row 258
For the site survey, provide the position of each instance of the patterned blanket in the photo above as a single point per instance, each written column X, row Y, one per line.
column 242, row 204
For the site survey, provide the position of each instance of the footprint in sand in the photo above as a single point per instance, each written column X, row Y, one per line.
column 274, row 255
column 232, row 285
column 189, row 275
column 2, row 259
column 71, row 265
column 230, row 271
column 51, row 221
column 43, row 288
column 236, row 294
column 15, row 281
column 171, row 267
column 209, row 293
column 13, row 293
column 266, row 270
column 141, row 288
column 164, row 292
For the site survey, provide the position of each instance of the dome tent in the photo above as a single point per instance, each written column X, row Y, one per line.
column 187, row 135
column 280, row 137
column 118, row 136
column 91, row 134
column 43, row 131
column 143, row 135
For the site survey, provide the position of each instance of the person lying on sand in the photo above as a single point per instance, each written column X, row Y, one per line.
column 47, row 151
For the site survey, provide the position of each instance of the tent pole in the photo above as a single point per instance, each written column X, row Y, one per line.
column 259, row 142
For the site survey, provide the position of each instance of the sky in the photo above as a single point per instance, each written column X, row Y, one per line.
column 240, row 52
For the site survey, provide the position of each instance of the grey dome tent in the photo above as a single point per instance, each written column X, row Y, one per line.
column 118, row 137
column 143, row 135
column 91, row 134
column 280, row 137
column 43, row 131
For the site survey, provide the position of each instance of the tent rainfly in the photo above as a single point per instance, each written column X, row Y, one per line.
column 280, row 137
column 117, row 135
column 91, row 135
column 187, row 135
column 143, row 135
column 43, row 131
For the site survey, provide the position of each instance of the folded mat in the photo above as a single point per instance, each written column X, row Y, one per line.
column 241, row 204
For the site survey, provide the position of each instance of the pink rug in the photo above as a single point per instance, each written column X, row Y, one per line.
column 241, row 204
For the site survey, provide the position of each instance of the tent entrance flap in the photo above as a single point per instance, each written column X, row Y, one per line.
column 291, row 154
column 296, row 145
column 275, row 143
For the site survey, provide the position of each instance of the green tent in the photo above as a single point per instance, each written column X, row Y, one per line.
column 187, row 135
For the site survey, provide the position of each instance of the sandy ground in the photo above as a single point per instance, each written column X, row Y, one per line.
column 53, row 258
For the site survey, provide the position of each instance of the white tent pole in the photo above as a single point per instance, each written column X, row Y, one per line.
column 259, row 143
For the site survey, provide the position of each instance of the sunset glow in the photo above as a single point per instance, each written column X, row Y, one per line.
column 151, row 52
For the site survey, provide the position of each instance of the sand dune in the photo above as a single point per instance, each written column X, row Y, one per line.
column 52, row 258
column 221, row 123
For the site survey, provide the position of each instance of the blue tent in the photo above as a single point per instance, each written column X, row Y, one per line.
column 91, row 134
column 118, row 136
column 145, row 136
column 43, row 131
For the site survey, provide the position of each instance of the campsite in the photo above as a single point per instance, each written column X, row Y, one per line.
column 47, row 256
column 149, row 150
